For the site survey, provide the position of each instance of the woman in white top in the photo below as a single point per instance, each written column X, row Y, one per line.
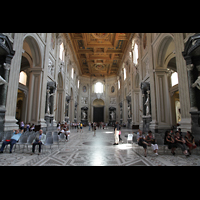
column 67, row 133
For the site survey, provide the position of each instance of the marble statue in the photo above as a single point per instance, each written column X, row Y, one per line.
column 112, row 114
column 84, row 114
column 129, row 111
column 147, row 105
column 197, row 83
column 2, row 81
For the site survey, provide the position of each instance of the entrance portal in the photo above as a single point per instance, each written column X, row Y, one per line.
column 98, row 110
column 98, row 114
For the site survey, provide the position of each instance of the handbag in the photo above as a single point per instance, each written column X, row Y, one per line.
column 119, row 132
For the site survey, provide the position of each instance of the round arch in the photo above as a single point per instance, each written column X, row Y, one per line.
column 98, row 103
column 163, row 45
column 33, row 49
column 31, row 57
column 60, row 100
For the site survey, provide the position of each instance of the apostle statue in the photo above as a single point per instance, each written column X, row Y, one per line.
column 112, row 114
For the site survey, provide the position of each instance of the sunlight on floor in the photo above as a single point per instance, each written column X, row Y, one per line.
column 124, row 146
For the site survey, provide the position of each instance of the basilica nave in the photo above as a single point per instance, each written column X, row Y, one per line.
column 141, row 80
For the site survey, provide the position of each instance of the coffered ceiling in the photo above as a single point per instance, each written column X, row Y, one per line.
column 99, row 54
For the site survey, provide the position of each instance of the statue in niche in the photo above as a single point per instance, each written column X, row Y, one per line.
column 197, row 83
column 112, row 114
column 84, row 114
column 147, row 104
column 75, row 112
column 129, row 111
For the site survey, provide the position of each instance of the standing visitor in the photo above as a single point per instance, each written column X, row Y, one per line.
column 89, row 126
column 120, row 139
column 81, row 128
column 78, row 126
column 94, row 127
column 116, row 133
column 67, row 133
column 22, row 125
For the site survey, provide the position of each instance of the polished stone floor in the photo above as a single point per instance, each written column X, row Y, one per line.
column 83, row 149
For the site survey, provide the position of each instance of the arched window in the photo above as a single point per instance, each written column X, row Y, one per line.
column 174, row 78
column 61, row 52
column 98, row 88
column 118, row 84
column 124, row 73
column 72, row 74
column 22, row 78
column 78, row 83
column 135, row 54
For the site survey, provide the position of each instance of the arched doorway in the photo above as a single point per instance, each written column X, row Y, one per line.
column 29, row 88
column 98, row 110
column 174, row 92
column 166, row 92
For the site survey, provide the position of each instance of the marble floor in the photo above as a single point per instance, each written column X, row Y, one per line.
column 83, row 149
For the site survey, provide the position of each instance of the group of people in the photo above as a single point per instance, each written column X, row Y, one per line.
column 173, row 140
column 63, row 128
column 27, row 126
column 38, row 140
column 77, row 125
column 149, row 140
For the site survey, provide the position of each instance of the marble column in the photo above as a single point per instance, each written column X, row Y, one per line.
column 193, row 103
column 6, row 68
column 10, row 120
column 44, row 81
column 185, row 123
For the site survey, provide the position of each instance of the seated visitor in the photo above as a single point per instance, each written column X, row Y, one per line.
column 189, row 138
column 172, row 132
column 179, row 130
column 14, row 139
column 141, row 142
column 39, row 140
column 169, row 140
column 180, row 142
column 151, row 141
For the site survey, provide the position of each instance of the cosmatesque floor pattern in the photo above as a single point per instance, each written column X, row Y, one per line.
column 84, row 149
